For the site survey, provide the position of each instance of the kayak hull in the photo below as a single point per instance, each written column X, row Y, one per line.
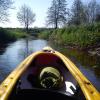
column 50, row 55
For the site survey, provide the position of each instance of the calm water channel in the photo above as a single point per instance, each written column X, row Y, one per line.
column 13, row 53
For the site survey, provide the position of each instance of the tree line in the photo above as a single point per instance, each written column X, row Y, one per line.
column 58, row 13
column 80, row 13
column 25, row 14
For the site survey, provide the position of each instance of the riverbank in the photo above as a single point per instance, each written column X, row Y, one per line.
column 11, row 34
column 83, row 37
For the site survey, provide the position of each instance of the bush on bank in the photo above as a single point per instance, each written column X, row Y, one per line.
column 8, row 34
column 81, row 36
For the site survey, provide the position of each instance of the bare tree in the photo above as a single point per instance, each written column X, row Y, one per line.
column 78, row 13
column 92, row 11
column 57, row 13
column 5, row 5
column 97, row 13
column 25, row 16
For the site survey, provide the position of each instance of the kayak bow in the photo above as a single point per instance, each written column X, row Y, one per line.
column 9, row 84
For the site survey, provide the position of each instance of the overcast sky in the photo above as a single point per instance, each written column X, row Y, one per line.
column 39, row 7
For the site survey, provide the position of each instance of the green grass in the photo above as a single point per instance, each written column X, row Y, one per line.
column 80, row 36
column 9, row 34
column 45, row 34
column 17, row 33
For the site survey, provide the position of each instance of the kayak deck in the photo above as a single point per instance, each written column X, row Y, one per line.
column 29, row 83
column 22, row 82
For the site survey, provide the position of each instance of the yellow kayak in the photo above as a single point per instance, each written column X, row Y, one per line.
column 47, row 74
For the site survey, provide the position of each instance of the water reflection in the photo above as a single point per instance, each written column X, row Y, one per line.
column 89, row 65
column 13, row 53
column 2, row 48
column 30, row 46
column 16, row 52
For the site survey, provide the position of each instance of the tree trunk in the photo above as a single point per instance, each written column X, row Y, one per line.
column 56, row 24
column 27, row 28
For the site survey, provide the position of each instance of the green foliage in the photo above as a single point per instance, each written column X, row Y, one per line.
column 45, row 34
column 93, row 27
column 17, row 33
column 5, row 36
column 9, row 34
column 82, row 36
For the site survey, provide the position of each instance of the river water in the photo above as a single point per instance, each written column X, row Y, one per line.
column 13, row 53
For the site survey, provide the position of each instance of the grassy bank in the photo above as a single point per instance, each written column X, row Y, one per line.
column 9, row 34
column 45, row 34
column 78, row 36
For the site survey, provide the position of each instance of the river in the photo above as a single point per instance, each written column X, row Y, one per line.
column 12, row 54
